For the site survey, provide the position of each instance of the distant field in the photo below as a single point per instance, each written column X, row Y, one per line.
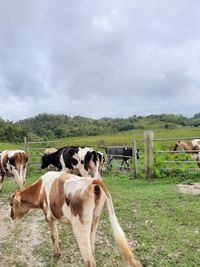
column 123, row 138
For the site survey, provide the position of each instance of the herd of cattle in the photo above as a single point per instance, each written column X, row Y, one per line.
column 68, row 195
column 75, row 193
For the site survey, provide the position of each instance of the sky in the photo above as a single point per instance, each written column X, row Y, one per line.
column 100, row 58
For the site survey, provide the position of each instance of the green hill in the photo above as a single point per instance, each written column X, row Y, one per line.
column 49, row 126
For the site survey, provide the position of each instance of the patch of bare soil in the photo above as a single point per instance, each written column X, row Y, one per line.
column 5, row 227
column 189, row 188
column 18, row 240
column 30, row 237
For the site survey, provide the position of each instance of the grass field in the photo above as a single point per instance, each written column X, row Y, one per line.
column 123, row 138
column 161, row 224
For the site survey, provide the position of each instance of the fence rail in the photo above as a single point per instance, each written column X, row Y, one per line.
column 147, row 161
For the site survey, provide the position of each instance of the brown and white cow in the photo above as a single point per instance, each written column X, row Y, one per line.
column 13, row 162
column 192, row 147
column 72, row 199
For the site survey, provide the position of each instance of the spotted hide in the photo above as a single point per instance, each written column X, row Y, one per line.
column 75, row 160
column 71, row 199
column 13, row 162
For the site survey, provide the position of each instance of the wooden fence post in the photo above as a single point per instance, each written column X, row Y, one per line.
column 25, row 144
column 109, row 160
column 148, row 153
column 134, row 152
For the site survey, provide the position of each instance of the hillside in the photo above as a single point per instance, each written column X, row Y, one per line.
column 49, row 126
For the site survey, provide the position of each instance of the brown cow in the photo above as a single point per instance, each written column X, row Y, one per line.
column 13, row 162
column 192, row 147
column 68, row 198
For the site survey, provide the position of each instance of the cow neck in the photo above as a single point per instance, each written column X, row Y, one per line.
column 31, row 195
column 55, row 159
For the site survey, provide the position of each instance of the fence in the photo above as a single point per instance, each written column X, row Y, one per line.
column 152, row 154
column 148, row 152
column 35, row 149
column 123, row 153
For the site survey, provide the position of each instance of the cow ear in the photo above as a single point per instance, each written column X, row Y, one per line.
column 17, row 198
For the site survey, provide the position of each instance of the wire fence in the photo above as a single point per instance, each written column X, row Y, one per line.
column 153, row 153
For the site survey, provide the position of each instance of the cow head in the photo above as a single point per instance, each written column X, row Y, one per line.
column 18, row 207
column 91, row 162
column 45, row 161
column 101, row 159
column 178, row 146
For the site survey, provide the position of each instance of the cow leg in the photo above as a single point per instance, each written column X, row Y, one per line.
column 95, row 224
column 109, row 162
column 82, row 233
column 54, row 236
column 96, row 218
column 1, row 181
column 126, row 161
column 24, row 173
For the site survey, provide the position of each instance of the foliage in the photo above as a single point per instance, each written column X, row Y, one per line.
column 49, row 126
column 174, row 164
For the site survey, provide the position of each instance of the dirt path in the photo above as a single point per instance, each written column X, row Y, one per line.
column 18, row 240
column 189, row 188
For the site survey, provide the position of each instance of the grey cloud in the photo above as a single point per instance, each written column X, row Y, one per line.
column 91, row 58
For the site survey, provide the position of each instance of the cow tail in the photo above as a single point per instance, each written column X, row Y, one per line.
column 118, row 232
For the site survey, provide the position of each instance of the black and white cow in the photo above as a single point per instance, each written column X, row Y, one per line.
column 120, row 153
column 74, row 160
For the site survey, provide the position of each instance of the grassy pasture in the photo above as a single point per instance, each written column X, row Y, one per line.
column 161, row 224
column 123, row 138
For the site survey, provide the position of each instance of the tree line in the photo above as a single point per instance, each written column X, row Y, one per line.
column 49, row 126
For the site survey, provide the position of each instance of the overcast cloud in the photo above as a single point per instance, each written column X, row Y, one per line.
column 99, row 58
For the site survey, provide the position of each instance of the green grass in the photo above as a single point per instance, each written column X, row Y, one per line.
column 122, row 138
column 162, row 224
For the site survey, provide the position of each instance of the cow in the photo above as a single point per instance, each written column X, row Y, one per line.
column 120, row 153
column 74, row 160
column 72, row 199
column 13, row 162
column 192, row 147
